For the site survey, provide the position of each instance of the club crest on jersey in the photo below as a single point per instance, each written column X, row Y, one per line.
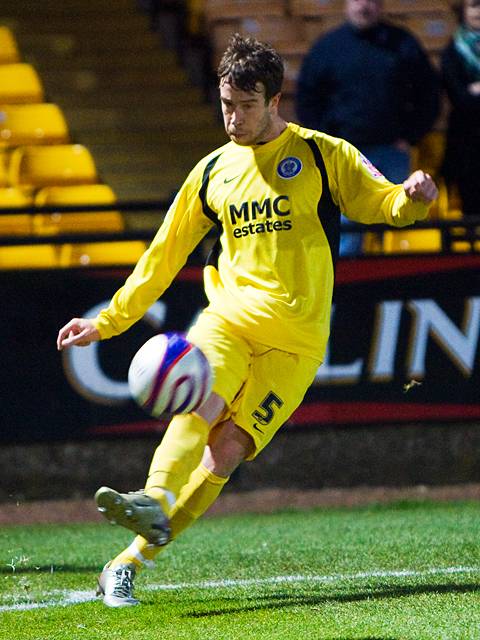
column 372, row 170
column 289, row 167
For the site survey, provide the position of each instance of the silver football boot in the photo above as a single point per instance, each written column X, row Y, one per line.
column 135, row 511
column 115, row 586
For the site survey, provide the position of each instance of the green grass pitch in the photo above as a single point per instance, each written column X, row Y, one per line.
column 407, row 571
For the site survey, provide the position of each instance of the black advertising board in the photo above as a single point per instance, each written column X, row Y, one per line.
column 404, row 344
column 404, row 348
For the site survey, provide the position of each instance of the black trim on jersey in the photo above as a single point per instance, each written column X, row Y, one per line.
column 212, row 258
column 202, row 194
column 328, row 211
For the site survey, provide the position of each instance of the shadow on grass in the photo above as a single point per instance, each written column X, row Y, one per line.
column 284, row 600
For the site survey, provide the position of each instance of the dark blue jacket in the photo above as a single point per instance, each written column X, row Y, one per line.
column 374, row 86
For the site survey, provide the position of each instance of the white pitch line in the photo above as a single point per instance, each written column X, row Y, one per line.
column 78, row 597
column 335, row 577
column 69, row 598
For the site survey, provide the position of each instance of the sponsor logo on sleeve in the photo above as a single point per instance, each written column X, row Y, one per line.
column 372, row 170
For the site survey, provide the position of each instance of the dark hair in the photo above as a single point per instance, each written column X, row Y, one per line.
column 247, row 62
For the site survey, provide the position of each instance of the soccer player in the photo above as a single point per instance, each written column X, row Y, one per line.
column 274, row 193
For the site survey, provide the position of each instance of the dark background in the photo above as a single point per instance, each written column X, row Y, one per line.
column 58, row 443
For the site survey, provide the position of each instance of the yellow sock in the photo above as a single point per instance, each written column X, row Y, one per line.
column 136, row 553
column 201, row 491
column 176, row 457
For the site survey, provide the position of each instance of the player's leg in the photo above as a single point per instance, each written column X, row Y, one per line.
column 147, row 512
column 184, row 442
column 228, row 446
column 182, row 448
column 276, row 386
column 181, row 451
column 266, row 401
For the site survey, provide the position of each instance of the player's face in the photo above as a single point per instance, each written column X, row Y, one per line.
column 363, row 14
column 471, row 12
column 247, row 118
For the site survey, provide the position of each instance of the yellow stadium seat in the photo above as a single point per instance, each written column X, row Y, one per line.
column 103, row 254
column 372, row 243
column 461, row 246
column 51, row 165
column 8, row 46
column 52, row 256
column 29, row 257
column 413, row 241
column 463, row 239
column 41, row 123
column 470, row 245
column 4, row 160
column 20, row 83
column 78, row 222
column 15, row 224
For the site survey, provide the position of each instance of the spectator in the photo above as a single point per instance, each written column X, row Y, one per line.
column 371, row 83
column 461, row 76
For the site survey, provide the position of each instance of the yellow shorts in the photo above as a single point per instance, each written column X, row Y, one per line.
column 261, row 386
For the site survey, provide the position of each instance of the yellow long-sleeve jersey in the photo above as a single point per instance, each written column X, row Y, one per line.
column 277, row 208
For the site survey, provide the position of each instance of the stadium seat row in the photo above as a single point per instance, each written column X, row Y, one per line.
column 296, row 24
column 54, row 175
column 39, row 164
column 69, row 255
column 35, row 166
column 304, row 8
column 58, row 222
column 38, row 123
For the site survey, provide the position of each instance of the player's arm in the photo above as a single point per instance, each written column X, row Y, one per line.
column 183, row 228
column 364, row 195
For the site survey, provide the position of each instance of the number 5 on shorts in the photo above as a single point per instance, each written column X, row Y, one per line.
column 266, row 404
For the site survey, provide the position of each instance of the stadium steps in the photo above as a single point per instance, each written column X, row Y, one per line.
column 123, row 94
column 188, row 121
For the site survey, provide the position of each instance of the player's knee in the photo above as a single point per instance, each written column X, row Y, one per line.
column 212, row 409
column 228, row 447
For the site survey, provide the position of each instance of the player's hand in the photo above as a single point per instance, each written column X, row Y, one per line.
column 420, row 187
column 79, row 332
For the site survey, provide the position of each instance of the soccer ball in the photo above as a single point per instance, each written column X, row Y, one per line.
column 169, row 375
